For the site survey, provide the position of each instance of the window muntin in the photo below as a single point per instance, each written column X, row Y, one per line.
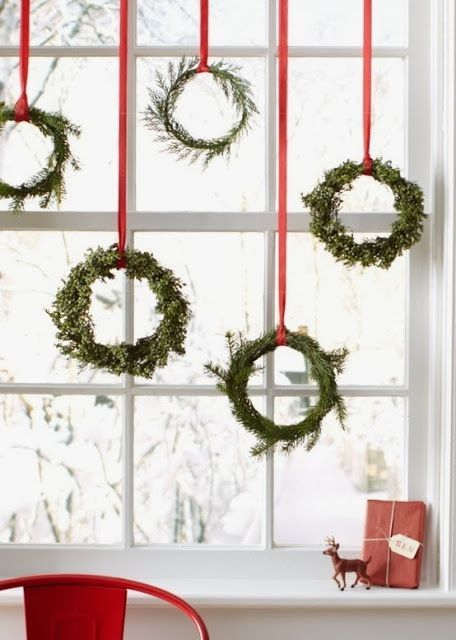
column 391, row 58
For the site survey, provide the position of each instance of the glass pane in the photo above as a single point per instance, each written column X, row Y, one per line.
column 67, row 22
column 195, row 480
column 323, row 492
column 236, row 184
column 335, row 23
column 326, row 125
column 60, row 469
column 85, row 91
column 361, row 309
column 223, row 273
column 34, row 263
column 177, row 23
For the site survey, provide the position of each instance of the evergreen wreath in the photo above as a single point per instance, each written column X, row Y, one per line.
column 159, row 114
column 323, row 367
column 325, row 201
column 71, row 314
column 48, row 184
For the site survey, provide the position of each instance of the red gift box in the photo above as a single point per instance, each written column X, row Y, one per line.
column 384, row 519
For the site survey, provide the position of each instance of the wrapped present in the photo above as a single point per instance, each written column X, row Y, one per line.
column 393, row 539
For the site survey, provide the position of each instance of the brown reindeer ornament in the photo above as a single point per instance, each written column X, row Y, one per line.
column 342, row 566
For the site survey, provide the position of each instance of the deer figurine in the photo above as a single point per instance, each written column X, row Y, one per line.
column 342, row 566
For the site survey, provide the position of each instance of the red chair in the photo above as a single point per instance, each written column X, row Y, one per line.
column 85, row 607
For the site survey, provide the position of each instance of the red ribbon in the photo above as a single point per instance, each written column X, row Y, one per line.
column 122, row 179
column 367, row 85
column 204, row 37
column 21, row 108
column 282, row 211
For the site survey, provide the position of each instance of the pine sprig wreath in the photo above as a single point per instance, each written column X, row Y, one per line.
column 48, row 184
column 233, row 381
column 75, row 328
column 325, row 201
column 159, row 115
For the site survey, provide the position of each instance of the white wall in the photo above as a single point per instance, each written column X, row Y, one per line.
column 146, row 623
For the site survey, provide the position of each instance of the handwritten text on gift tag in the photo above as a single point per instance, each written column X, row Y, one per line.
column 404, row 546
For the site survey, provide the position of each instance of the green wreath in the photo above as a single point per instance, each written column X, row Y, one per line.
column 159, row 114
column 48, row 184
column 71, row 314
column 325, row 201
column 323, row 367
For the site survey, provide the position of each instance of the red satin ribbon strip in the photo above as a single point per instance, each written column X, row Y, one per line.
column 122, row 179
column 21, row 108
column 367, row 85
column 204, row 36
column 283, row 133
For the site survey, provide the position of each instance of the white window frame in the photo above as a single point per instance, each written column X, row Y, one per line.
column 423, row 471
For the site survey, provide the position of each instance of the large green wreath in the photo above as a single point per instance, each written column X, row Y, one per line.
column 159, row 114
column 323, row 367
column 71, row 314
column 48, row 184
column 325, row 201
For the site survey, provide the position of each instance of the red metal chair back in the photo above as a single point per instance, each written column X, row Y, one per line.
column 85, row 607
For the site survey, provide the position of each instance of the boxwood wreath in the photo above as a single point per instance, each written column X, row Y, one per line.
column 325, row 201
column 234, row 380
column 160, row 113
column 48, row 184
column 71, row 314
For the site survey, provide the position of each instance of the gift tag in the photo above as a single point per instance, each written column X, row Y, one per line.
column 404, row 546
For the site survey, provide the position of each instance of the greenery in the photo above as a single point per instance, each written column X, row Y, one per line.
column 322, row 367
column 71, row 314
column 325, row 201
column 159, row 115
column 48, row 184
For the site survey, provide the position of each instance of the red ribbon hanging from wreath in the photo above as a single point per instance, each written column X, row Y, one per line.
column 122, row 176
column 283, row 133
column 204, row 36
column 21, row 108
column 367, row 85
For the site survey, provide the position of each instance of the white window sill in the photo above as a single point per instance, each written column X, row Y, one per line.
column 280, row 593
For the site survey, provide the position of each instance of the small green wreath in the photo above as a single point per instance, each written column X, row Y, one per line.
column 48, row 184
column 71, row 314
column 159, row 114
column 325, row 201
column 323, row 367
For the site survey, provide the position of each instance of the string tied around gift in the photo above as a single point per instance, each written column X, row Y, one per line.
column 283, row 170
column 122, row 175
column 367, row 85
column 21, row 108
column 203, row 66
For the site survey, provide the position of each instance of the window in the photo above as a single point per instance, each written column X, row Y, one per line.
column 99, row 472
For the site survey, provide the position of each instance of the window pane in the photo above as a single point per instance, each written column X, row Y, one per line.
column 323, row 492
column 326, row 125
column 335, row 23
column 60, row 469
column 67, row 22
column 34, row 263
column 223, row 273
column 236, row 184
column 85, row 91
column 361, row 309
column 177, row 23
column 195, row 480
